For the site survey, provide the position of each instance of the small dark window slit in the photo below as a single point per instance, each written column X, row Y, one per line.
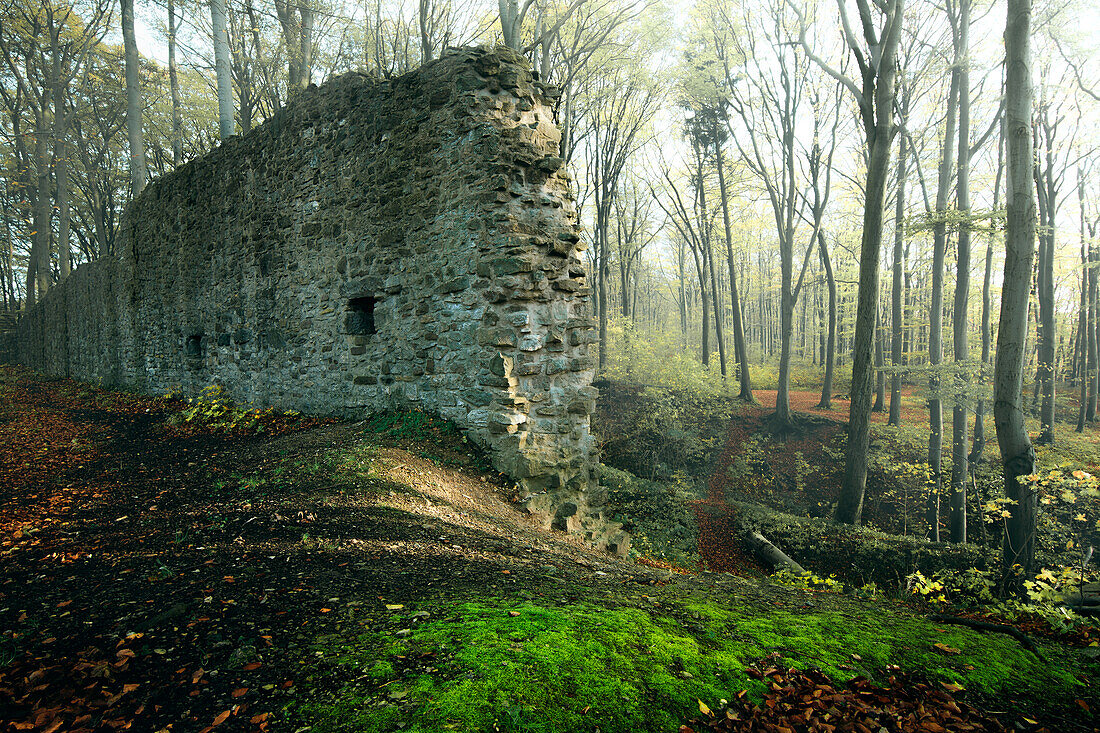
column 360, row 317
column 192, row 347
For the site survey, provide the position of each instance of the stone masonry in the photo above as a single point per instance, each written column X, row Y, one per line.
column 376, row 244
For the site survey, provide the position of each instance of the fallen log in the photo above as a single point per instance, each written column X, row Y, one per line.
column 771, row 555
column 1086, row 608
column 1012, row 631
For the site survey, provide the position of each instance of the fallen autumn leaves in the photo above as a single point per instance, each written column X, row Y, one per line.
column 809, row 701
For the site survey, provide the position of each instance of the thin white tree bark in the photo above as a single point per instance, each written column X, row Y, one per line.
column 226, row 126
column 138, row 173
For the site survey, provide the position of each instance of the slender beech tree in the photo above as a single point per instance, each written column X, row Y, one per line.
column 979, row 409
column 138, row 174
column 875, row 56
column 820, row 175
column 960, row 472
column 619, row 107
column 1051, row 163
column 226, row 125
column 689, row 222
column 766, row 95
column 935, row 328
column 1017, row 453
column 740, row 348
column 1086, row 341
column 705, row 87
column 296, row 20
column 897, row 284
column 174, row 87
column 701, row 131
column 1094, row 341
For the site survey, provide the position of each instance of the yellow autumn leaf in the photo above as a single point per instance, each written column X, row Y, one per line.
column 703, row 708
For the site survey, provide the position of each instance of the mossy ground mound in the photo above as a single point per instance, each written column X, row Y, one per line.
column 503, row 664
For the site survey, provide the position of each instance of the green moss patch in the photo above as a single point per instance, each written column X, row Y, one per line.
column 499, row 666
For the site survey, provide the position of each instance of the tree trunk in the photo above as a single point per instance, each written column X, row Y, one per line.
column 682, row 300
column 425, row 37
column 701, row 270
column 1086, row 342
column 603, row 251
column 1048, row 207
column 880, row 374
column 511, row 23
column 1094, row 370
column 826, row 402
column 708, row 256
column 61, row 168
column 305, row 68
column 935, row 327
column 897, row 288
column 960, row 470
column 39, row 278
column 739, row 347
column 880, row 130
column 226, row 126
column 174, row 86
column 1081, row 352
column 138, row 174
column 10, row 302
column 1017, row 453
column 61, row 176
column 979, row 410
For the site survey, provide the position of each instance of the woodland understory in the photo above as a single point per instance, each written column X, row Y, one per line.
column 175, row 565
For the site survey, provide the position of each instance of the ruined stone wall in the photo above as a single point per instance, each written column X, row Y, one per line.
column 375, row 244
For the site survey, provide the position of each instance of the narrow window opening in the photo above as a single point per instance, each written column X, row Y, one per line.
column 360, row 317
column 192, row 347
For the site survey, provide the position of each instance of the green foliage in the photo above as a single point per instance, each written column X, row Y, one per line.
column 663, row 524
column 856, row 555
column 658, row 360
column 214, row 411
column 1047, row 594
column 965, row 588
column 807, row 581
column 654, row 432
column 1072, row 498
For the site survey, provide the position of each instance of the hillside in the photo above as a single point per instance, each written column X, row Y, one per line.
column 166, row 566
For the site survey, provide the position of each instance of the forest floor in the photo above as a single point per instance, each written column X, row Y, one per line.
column 327, row 576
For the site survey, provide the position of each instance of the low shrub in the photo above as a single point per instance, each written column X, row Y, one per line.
column 855, row 554
column 662, row 523
column 214, row 411
column 654, row 432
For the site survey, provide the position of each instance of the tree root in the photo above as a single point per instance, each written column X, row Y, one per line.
column 1012, row 631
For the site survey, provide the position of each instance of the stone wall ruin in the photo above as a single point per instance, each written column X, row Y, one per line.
column 376, row 244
